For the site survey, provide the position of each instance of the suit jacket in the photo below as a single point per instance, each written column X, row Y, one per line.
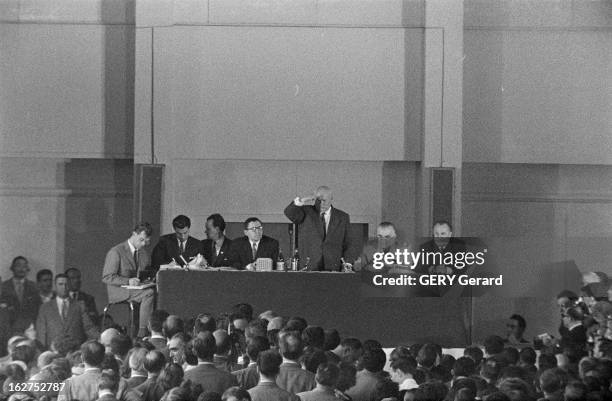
column 454, row 245
column 318, row 395
column 158, row 343
column 247, row 377
column 365, row 386
column 167, row 248
column 85, row 387
column 50, row 326
column 89, row 303
column 241, row 254
column 107, row 397
column 294, row 379
column 23, row 313
column 324, row 251
column 220, row 260
column 119, row 267
column 269, row 391
column 135, row 381
column 211, row 378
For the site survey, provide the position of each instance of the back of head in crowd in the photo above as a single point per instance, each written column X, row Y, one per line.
column 92, row 353
column 327, row 374
column 290, row 345
column 236, row 394
column 269, row 363
column 204, row 346
column 173, row 325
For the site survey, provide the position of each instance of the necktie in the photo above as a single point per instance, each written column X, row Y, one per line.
column 182, row 247
column 324, row 227
column 136, row 258
column 254, row 250
column 19, row 290
column 65, row 309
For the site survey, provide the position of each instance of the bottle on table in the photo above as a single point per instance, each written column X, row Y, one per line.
column 280, row 262
column 295, row 262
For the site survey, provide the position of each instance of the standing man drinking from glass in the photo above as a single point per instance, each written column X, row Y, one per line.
column 323, row 231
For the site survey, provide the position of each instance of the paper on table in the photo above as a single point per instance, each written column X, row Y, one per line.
column 138, row 287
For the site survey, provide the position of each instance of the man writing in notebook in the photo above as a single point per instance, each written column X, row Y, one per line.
column 123, row 264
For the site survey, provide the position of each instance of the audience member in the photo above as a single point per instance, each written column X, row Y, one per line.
column 44, row 282
column 249, row 377
column 85, row 301
column 291, row 376
column 268, row 364
column 206, row 374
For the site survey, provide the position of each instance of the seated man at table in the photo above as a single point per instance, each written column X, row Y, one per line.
column 442, row 244
column 246, row 250
column 179, row 246
column 216, row 246
column 386, row 241
column 122, row 267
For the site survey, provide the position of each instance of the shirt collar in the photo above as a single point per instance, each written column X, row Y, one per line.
column 132, row 249
column 408, row 384
column 60, row 302
column 19, row 280
column 157, row 336
column 574, row 325
column 327, row 213
column 104, row 392
column 205, row 363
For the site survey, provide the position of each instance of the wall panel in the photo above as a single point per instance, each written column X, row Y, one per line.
column 67, row 90
column 537, row 96
column 284, row 93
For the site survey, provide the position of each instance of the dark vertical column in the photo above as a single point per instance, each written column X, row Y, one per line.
column 148, row 189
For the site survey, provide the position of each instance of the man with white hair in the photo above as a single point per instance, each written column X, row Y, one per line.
column 324, row 231
column 107, row 337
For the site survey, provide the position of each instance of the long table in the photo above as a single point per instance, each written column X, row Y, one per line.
column 330, row 300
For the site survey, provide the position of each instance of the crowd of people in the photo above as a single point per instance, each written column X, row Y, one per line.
column 268, row 357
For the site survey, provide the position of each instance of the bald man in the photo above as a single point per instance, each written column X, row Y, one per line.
column 386, row 241
column 323, row 231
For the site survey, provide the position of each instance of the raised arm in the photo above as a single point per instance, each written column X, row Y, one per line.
column 295, row 210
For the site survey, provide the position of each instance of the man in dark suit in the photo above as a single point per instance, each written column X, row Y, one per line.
column 249, row 377
column 292, row 377
column 85, row 387
column 44, row 281
column 21, row 296
column 216, row 246
column 138, row 373
column 442, row 243
column 268, row 365
column 246, row 250
column 83, row 299
column 179, row 246
column 154, row 364
column 123, row 265
column 206, row 374
column 62, row 319
column 156, row 324
column 323, row 231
